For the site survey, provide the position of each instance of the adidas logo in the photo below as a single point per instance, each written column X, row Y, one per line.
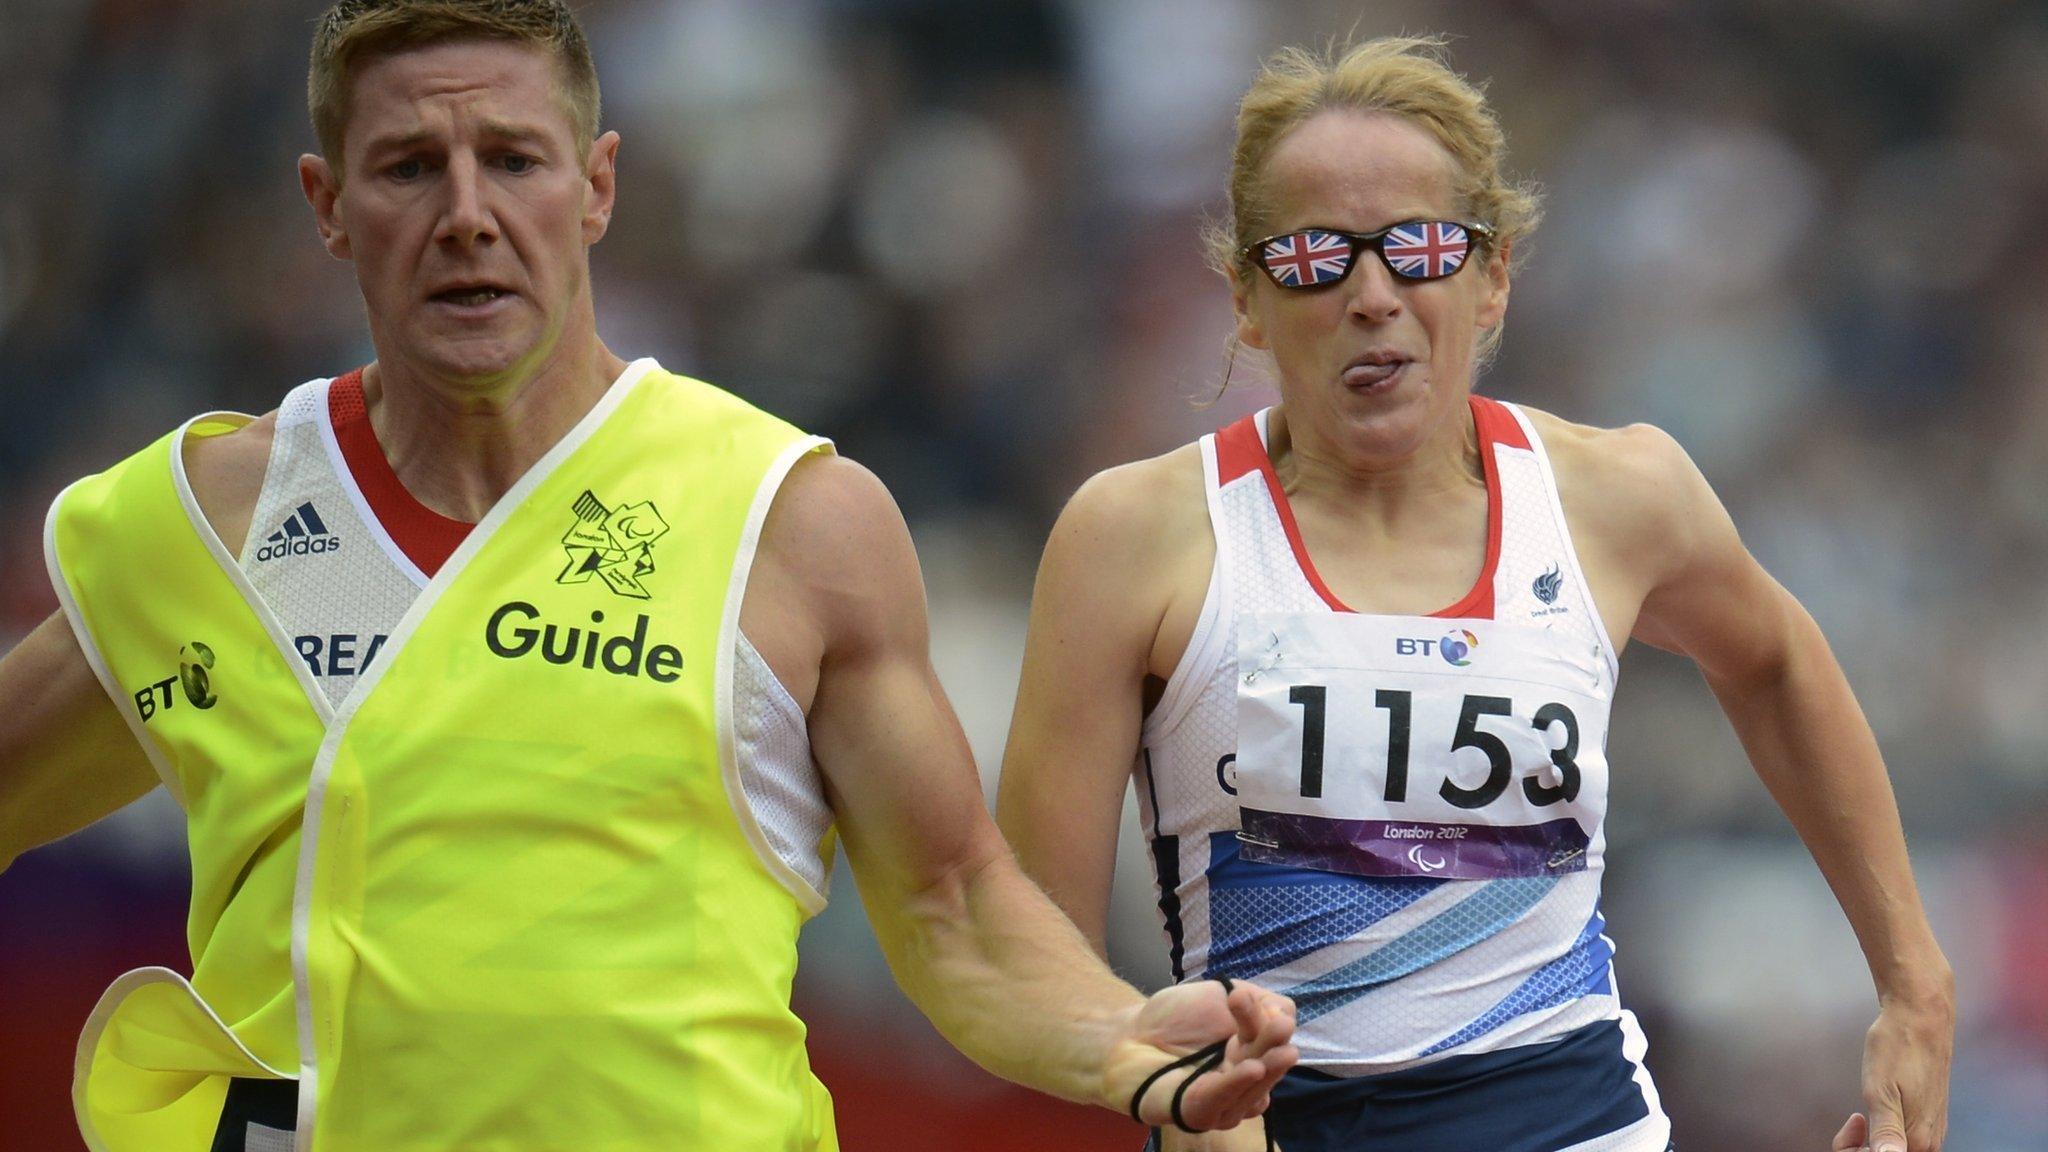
column 303, row 534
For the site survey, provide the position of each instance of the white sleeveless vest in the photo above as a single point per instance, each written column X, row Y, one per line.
column 1420, row 798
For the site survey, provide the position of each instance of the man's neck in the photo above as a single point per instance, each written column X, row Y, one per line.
column 458, row 446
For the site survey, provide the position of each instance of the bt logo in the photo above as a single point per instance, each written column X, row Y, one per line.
column 1456, row 647
column 195, row 676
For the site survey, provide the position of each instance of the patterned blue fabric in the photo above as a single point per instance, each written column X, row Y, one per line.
column 1578, row 972
column 1262, row 915
column 1490, row 908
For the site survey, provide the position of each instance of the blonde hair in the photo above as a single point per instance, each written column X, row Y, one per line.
column 353, row 31
column 1404, row 75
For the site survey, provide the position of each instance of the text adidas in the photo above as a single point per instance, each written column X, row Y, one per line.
column 300, row 546
column 303, row 533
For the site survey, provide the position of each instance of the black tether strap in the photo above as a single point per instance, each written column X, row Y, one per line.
column 1206, row 1059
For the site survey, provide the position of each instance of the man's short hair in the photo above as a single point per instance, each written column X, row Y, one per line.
column 354, row 31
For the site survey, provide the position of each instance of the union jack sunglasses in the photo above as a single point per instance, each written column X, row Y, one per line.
column 1411, row 250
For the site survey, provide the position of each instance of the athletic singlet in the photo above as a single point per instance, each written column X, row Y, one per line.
column 339, row 550
column 1420, row 798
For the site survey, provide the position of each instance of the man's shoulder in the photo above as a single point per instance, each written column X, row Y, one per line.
column 835, row 573
column 125, row 509
column 830, row 508
column 226, row 474
column 703, row 405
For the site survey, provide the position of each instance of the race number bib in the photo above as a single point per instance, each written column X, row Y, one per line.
column 1416, row 746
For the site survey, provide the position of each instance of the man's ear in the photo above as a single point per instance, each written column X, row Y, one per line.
column 323, row 192
column 601, row 169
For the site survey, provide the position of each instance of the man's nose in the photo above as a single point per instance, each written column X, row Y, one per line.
column 465, row 219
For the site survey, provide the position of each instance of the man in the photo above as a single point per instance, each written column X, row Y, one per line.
column 512, row 739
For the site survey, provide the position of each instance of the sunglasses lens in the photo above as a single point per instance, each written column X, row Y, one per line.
column 1306, row 259
column 1427, row 249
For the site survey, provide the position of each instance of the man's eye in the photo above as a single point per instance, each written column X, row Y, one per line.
column 407, row 169
column 517, row 164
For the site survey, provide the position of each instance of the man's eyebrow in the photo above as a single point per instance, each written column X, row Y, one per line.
column 507, row 130
column 398, row 142
column 491, row 129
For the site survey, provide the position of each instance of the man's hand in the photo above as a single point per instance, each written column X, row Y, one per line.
column 1905, row 1080
column 1188, row 1017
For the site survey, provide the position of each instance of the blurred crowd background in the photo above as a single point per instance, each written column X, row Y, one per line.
column 960, row 238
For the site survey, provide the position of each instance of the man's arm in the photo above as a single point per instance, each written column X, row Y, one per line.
column 1118, row 594
column 1784, row 692
column 66, row 756
column 836, row 605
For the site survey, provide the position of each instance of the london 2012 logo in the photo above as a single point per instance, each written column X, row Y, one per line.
column 615, row 545
column 1457, row 646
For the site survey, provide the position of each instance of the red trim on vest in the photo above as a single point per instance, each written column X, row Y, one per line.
column 1497, row 424
column 1239, row 450
column 1496, row 427
column 425, row 536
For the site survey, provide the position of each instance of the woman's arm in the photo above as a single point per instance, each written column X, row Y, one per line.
column 1115, row 571
column 1782, row 689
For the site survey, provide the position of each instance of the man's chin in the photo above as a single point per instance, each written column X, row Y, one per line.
column 471, row 358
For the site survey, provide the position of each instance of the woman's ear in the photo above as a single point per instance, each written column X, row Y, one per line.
column 1249, row 333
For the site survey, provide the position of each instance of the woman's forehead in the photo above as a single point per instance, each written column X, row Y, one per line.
column 1359, row 164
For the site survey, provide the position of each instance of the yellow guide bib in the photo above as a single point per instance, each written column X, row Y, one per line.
column 506, row 895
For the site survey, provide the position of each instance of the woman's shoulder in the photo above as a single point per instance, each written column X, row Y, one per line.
column 1141, row 485
column 1129, row 561
column 1145, row 505
column 1627, row 457
column 1634, row 484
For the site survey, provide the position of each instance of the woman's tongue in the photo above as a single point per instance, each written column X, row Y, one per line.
column 1364, row 376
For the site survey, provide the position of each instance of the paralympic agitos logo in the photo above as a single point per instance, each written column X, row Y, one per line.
column 516, row 629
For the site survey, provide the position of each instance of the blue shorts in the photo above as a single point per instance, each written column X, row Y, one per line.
column 1534, row 1098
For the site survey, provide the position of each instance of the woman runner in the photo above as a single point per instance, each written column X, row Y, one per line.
column 1362, row 646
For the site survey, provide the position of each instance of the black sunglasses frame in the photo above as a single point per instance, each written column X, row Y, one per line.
column 1376, row 241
